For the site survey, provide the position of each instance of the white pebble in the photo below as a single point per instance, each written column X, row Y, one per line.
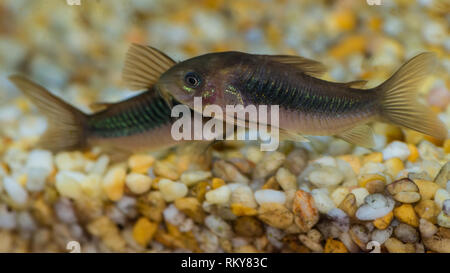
column 65, row 212
column 270, row 196
column 7, row 218
column 100, row 166
column 40, row 159
column 326, row 161
column 70, row 161
column 25, row 221
column 173, row 215
column 360, row 194
column 138, row 183
column 219, row 196
column 372, row 168
column 127, row 205
column 36, row 178
column 443, row 220
column 440, row 196
column 326, row 176
column 339, row 194
column 381, row 236
column 243, row 195
column 190, row 178
column 68, row 184
column 396, row 149
column 377, row 205
column 275, row 236
column 322, row 200
column 446, row 207
column 17, row 193
column 218, row 226
column 172, row 190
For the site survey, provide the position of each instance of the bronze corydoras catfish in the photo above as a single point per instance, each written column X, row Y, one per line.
column 308, row 105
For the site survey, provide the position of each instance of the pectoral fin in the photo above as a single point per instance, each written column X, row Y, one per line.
column 361, row 135
column 143, row 66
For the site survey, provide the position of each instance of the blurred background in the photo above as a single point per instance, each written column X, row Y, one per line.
column 79, row 49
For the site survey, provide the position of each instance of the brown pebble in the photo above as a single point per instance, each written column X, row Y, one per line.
column 406, row 233
column 248, row 227
column 275, row 215
column 305, row 211
column 191, row 207
column 296, row 161
column 427, row 209
column 348, row 205
column 394, row 245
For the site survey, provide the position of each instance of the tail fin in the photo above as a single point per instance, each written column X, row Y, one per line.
column 399, row 103
column 65, row 124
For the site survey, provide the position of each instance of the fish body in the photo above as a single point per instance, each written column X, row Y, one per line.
column 308, row 105
column 142, row 122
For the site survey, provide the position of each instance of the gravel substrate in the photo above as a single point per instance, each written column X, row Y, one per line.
column 322, row 196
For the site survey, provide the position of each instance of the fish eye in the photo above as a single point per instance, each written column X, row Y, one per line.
column 192, row 79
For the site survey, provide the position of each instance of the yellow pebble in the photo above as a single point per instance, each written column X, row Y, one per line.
column 366, row 178
column 334, row 246
column 375, row 23
column 383, row 222
column 413, row 137
column 155, row 183
column 344, row 20
column 391, row 132
column 271, row 184
column 427, row 189
column 140, row 163
column 376, row 157
column 413, row 153
column 143, row 231
column 394, row 166
column 171, row 158
column 447, row 146
column 201, row 189
column 241, row 210
column 406, row 214
column 114, row 182
column 217, row 182
column 349, row 45
column 354, row 162
column 22, row 179
column 434, row 140
column 273, row 34
column 23, row 104
column 428, row 210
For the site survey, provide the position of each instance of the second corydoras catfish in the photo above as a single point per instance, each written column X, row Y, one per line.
column 308, row 105
column 140, row 123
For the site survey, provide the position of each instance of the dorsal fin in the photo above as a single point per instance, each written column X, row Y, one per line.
column 307, row 66
column 356, row 84
column 143, row 66
column 361, row 135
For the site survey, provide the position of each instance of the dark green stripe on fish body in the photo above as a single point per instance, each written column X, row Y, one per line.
column 296, row 91
column 134, row 116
